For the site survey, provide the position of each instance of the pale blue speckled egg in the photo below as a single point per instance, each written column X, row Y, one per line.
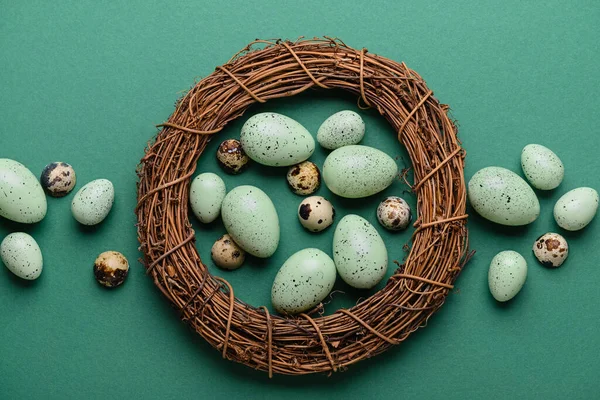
column 93, row 202
column 507, row 275
column 576, row 208
column 22, row 198
column 359, row 252
column 304, row 280
column 276, row 140
column 503, row 197
column 542, row 168
column 343, row 128
column 22, row 256
column 358, row 171
column 251, row 220
column 207, row 192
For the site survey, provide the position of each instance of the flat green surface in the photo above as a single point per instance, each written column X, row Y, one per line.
column 84, row 82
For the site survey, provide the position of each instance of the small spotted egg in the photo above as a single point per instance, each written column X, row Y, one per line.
column 111, row 269
column 58, row 179
column 22, row 256
column 542, row 168
column 304, row 178
column 551, row 250
column 231, row 157
column 303, row 281
column 316, row 213
column 227, row 254
column 359, row 252
column 341, row 129
column 394, row 213
column 207, row 192
column 507, row 275
column 576, row 208
column 92, row 203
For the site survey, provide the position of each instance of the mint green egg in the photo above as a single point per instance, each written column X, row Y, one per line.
column 343, row 128
column 507, row 275
column 303, row 281
column 207, row 192
column 251, row 220
column 542, row 168
column 93, row 202
column 358, row 171
column 276, row 140
column 359, row 252
column 22, row 256
column 503, row 197
column 576, row 208
column 22, row 198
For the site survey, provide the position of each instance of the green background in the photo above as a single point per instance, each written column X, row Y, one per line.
column 85, row 82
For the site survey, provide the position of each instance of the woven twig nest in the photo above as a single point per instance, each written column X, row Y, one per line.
column 305, row 344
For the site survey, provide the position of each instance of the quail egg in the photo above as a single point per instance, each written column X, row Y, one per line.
column 304, row 178
column 394, row 213
column 551, row 250
column 316, row 213
column 227, row 254
column 231, row 157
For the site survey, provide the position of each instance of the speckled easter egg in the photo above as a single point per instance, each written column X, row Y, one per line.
column 251, row 220
column 111, row 269
column 343, row 128
column 227, row 254
column 359, row 253
column 304, row 280
column 22, row 198
column 231, row 157
column 304, row 178
column 542, row 168
column 358, row 171
column 92, row 203
column 576, row 208
column 503, row 197
column 207, row 192
column 58, row 179
column 276, row 140
column 507, row 275
column 316, row 213
column 394, row 213
column 551, row 250
column 22, row 256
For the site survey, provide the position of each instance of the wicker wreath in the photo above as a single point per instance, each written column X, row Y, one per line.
column 309, row 342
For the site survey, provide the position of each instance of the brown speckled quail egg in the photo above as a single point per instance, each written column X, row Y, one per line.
column 227, row 254
column 111, row 269
column 304, row 178
column 231, row 157
column 316, row 213
column 58, row 179
column 551, row 250
column 394, row 213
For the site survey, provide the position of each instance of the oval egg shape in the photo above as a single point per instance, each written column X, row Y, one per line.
column 276, row 140
column 507, row 275
column 542, row 168
column 303, row 281
column 359, row 252
column 503, row 197
column 207, row 192
column 343, row 128
column 93, row 202
column 22, row 256
column 358, row 171
column 22, row 198
column 251, row 220
column 576, row 208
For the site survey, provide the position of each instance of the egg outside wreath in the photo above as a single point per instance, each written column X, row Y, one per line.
column 307, row 343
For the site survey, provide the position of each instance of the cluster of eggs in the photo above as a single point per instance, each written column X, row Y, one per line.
column 503, row 197
column 251, row 221
column 24, row 201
